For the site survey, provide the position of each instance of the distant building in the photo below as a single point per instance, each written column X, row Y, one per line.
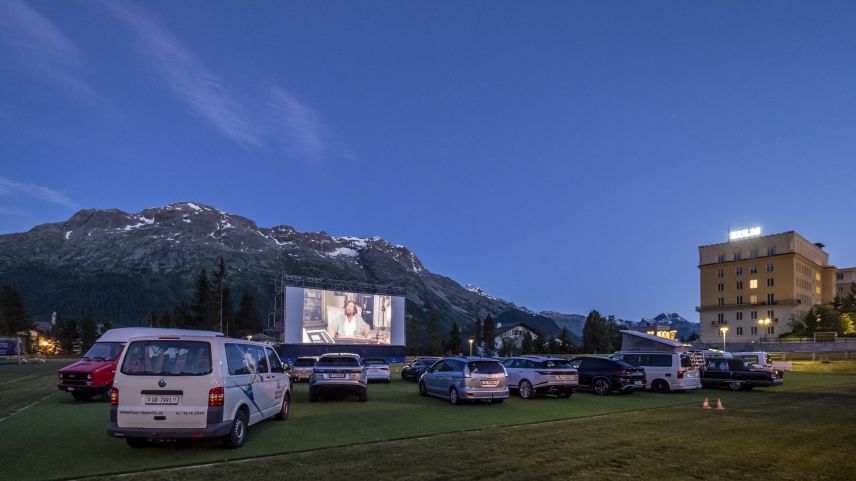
column 515, row 332
column 660, row 330
column 844, row 279
column 752, row 286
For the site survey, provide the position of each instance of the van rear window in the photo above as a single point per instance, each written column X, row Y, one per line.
column 167, row 358
column 485, row 367
column 304, row 362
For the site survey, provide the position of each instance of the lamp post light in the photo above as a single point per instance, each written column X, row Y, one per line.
column 723, row 330
column 765, row 322
column 471, row 346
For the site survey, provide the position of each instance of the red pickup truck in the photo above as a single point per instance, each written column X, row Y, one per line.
column 93, row 373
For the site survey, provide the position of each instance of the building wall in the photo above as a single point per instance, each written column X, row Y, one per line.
column 844, row 278
column 737, row 279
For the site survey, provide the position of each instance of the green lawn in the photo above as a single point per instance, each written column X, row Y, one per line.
column 61, row 438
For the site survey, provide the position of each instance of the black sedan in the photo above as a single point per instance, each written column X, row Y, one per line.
column 603, row 375
column 417, row 367
column 736, row 374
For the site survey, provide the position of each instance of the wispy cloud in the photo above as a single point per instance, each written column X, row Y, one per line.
column 11, row 188
column 259, row 123
column 35, row 42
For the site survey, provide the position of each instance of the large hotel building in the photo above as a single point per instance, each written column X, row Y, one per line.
column 753, row 285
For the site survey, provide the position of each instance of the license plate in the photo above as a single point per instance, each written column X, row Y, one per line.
column 638, row 382
column 565, row 377
column 489, row 383
column 338, row 376
column 70, row 388
column 162, row 399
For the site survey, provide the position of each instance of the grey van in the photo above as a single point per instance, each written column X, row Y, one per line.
column 461, row 378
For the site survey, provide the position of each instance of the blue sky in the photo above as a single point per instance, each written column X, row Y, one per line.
column 562, row 155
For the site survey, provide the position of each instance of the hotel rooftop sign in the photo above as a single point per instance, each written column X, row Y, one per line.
column 744, row 233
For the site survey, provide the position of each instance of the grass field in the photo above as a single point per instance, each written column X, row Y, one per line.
column 797, row 431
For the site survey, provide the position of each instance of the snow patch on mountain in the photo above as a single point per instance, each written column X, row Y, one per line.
column 68, row 234
column 344, row 251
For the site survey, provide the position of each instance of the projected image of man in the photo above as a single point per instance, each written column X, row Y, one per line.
column 349, row 324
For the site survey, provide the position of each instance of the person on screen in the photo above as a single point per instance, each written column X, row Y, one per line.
column 349, row 324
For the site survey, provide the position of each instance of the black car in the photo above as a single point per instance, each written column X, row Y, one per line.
column 736, row 374
column 603, row 375
column 417, row 367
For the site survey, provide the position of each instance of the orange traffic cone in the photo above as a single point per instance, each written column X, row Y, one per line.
column 719, row 406
column 705, row 405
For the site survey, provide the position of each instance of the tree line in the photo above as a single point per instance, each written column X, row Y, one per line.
column 837, row 316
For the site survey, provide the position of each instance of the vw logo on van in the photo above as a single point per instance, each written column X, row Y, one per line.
column 162, row 382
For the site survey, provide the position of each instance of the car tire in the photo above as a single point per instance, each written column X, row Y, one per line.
column 525, row 389
column 566, row 394
column 81, row 396
column 601, row 386
column 735, row 386
column 364, row 395
column 137, row 443
column 282, row 415
column 660, row 386
column 454, row 397
column 235, row 438
column 423, row 391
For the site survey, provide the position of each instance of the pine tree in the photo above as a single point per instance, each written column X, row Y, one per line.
column 13, row 314
column 201, row 308
column 217, row 296
column 67, row 335
column 414, row 335
column 477, row 332
column 527, row 346
column 228, row 311
column 153, row 319
column 593, row 333
column 454, row 346
column 248, row 320
column 488, row 335
column 564, row 339
column 88, row 332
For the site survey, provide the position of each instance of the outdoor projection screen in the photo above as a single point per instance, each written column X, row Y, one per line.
column 316, row 316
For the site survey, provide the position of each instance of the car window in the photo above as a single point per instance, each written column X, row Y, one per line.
column 258, row 354
column 275, row 364
column 717, row 365
column 304, row 362
column 551, row 363
column 163, row 357
column 686, row 360
column 632, row 359
column 485, row 367
column 659, row 360
column 239, row 360
column 439, row 367
column 334, row 361
column 576, row 363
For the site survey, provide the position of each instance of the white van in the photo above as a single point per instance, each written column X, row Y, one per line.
column 664, row 371
column 196, row 386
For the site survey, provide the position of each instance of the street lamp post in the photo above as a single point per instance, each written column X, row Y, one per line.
column 723, row 330
column 765, row 322
column 471, row 347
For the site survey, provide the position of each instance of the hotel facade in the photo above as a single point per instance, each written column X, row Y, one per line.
column 753, row 286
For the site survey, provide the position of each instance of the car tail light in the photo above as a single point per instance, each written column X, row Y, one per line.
column 681, row 374
column 215, row 396
column 114, row 397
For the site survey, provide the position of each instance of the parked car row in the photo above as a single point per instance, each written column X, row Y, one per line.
column 173, row 383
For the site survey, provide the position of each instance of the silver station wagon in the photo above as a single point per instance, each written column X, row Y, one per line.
column 461, row 379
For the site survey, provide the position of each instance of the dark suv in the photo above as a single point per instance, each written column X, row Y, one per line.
column 603, row 375
column 414, row 370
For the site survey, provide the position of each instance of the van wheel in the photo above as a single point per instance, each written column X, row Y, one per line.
column 525, row 389
column 422, row 389
column 137, row 443
column 660, row 386
column 236, row 437
column 454, row 398
column 602, row 386
column 82, row 396
column 735, row 386
column 282, row 415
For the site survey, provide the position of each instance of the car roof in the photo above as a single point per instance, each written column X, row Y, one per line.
column 307, row 357
column 198, row 338
column 330, row 354
column 538, row 358
column 122, row 334
column 470, row 358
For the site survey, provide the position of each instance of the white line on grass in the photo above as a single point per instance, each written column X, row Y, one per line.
column 26, row 407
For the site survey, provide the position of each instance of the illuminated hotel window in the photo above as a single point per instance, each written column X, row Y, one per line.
column 817, row 276
column 753, row 284
column 817, row 290
column 753, row 299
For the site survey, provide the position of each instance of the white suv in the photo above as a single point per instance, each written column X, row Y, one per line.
column 196, row 387
column 531, row 376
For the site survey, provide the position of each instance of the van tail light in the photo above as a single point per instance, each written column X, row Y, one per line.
column 114, row 397
column 215, row 396
column 681, row 373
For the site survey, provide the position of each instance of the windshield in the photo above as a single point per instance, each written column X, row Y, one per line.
column 106, row 351
column 338, row 361
column 376, row 362
column 485, row 367
column 167, row 358
column 304, row 362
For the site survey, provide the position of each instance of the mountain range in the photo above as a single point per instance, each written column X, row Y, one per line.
column 120, row 266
